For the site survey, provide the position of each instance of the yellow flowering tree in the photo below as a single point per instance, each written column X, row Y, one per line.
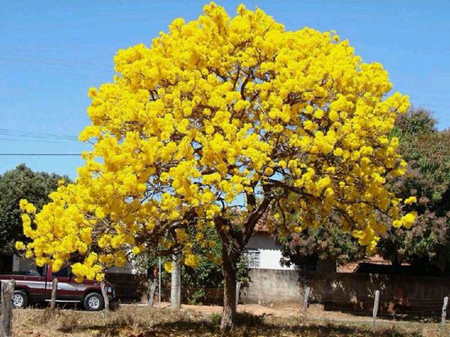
column 216, row 123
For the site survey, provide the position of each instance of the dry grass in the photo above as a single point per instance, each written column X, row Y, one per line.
column 145, row 322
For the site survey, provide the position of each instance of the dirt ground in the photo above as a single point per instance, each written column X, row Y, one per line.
column 137, row 320
column 286, row 310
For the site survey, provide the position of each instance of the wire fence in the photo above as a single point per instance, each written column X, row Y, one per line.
column 404, row 307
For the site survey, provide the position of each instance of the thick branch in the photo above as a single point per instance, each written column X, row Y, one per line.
column 253, row 219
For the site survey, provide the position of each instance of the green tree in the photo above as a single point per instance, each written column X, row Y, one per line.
column 17, row 184
column 427, row 151
column 195, row 281
column 314, row 244
column 427, row 244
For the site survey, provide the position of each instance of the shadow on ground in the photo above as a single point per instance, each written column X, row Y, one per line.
column 177, row 324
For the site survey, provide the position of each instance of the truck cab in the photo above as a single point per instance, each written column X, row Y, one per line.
column 36, row 286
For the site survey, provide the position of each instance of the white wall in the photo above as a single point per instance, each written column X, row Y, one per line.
column 270, row 259
column 269, row 249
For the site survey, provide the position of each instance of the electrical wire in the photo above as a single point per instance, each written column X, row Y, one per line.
column 41, row 154
column 33, row 136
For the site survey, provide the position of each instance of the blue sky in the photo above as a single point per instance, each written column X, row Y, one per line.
column 52, row 52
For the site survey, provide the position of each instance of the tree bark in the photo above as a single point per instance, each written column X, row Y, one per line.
column 175, row 287
column 152, row 283
column 233, row 244
column 229, row 291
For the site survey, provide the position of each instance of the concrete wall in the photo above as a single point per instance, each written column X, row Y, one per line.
column 272, row 286
column 352, row 292
column 129, row 288
column 416, row 295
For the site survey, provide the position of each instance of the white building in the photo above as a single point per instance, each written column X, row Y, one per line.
column 263, row 252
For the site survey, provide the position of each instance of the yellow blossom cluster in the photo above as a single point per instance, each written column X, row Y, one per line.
column 214, row 111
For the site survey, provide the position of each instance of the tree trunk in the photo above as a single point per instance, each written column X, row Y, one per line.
column 175, row 288
column 229, row 291
column 152, row 282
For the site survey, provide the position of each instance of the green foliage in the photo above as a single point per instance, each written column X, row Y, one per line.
column 314, row 244
column 196, row 282
column 21, row 183
column 427, row 151
column 208, row 274
column 215, row 318
column 427, row 244
column 415, row 122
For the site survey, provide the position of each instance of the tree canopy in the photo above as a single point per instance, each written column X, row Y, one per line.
column 427, row 151
column 21, row 183
column 329, row 242
column 426, row 245
column 219, row 121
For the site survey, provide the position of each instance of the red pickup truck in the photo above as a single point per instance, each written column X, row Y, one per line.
column 36, row 286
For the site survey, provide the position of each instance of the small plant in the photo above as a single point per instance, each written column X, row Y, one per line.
column 215, row 318
column 197, row 296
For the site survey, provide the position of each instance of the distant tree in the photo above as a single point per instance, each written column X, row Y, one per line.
column 17, row 184
column 324, row 243
column 427, row 244
column 415, row 122
column 427, row 151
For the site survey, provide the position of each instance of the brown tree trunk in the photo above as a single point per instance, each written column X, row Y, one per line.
column 233, row 244
column 229, row 291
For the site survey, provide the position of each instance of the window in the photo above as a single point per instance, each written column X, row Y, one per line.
column 253, row 258
column 63, row 272
column 36, row 271
column 42, row 270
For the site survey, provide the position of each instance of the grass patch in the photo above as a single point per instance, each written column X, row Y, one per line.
column 146, row 322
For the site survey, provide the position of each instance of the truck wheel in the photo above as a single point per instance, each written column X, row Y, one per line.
column 20, row 299
column 93, row 302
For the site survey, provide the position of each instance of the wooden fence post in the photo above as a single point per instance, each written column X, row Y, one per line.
column 105, row 295
column 375, row 308
column 54, row 289
column 7, row 294
column 444, row 310
column 305, row 300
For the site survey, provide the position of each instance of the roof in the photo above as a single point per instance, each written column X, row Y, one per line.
column 373, row 260
column 261, row 225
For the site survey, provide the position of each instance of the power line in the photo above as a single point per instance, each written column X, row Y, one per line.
column 40, row 154
column 33, row 136
column 27, row 140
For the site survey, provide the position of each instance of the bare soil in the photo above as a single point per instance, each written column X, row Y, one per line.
column 252, row 320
